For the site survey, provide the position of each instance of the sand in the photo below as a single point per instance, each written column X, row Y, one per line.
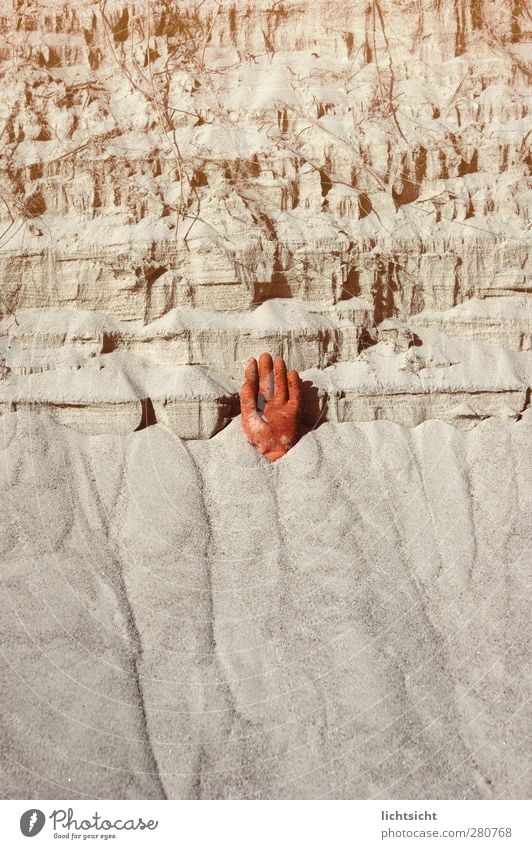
column 184, row 185
column 185, row 620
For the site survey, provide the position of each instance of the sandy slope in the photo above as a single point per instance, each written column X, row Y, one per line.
column 186, row 620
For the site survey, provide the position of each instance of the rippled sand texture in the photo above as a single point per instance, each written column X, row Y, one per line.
column 187, row 620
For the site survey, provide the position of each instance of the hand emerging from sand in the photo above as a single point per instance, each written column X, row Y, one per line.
column 270, row 401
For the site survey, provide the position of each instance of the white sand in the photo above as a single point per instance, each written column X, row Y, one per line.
column 182, row 619
column 186, row 620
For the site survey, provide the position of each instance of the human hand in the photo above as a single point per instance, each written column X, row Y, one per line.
column 269, row 390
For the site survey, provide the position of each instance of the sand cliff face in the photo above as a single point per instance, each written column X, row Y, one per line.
column 244, row 176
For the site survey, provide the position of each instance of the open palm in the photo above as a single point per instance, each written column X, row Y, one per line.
column 270, row 401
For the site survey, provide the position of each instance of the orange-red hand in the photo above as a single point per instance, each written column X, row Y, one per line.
column 270, row 401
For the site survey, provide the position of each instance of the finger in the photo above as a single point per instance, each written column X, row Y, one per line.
column 281, row 387
column 251, row 374
column 266, row 376
column 251, row 421
column 294, row 387
column 250, row 387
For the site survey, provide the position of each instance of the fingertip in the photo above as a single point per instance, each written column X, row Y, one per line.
column 279, row 370
column 251, row 371
column 266, row 375
column 265, row 361
column 294, row 385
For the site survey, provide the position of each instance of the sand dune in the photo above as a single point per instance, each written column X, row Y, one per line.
column 184, row 619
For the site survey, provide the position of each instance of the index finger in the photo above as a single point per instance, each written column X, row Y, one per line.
column 250, row 387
